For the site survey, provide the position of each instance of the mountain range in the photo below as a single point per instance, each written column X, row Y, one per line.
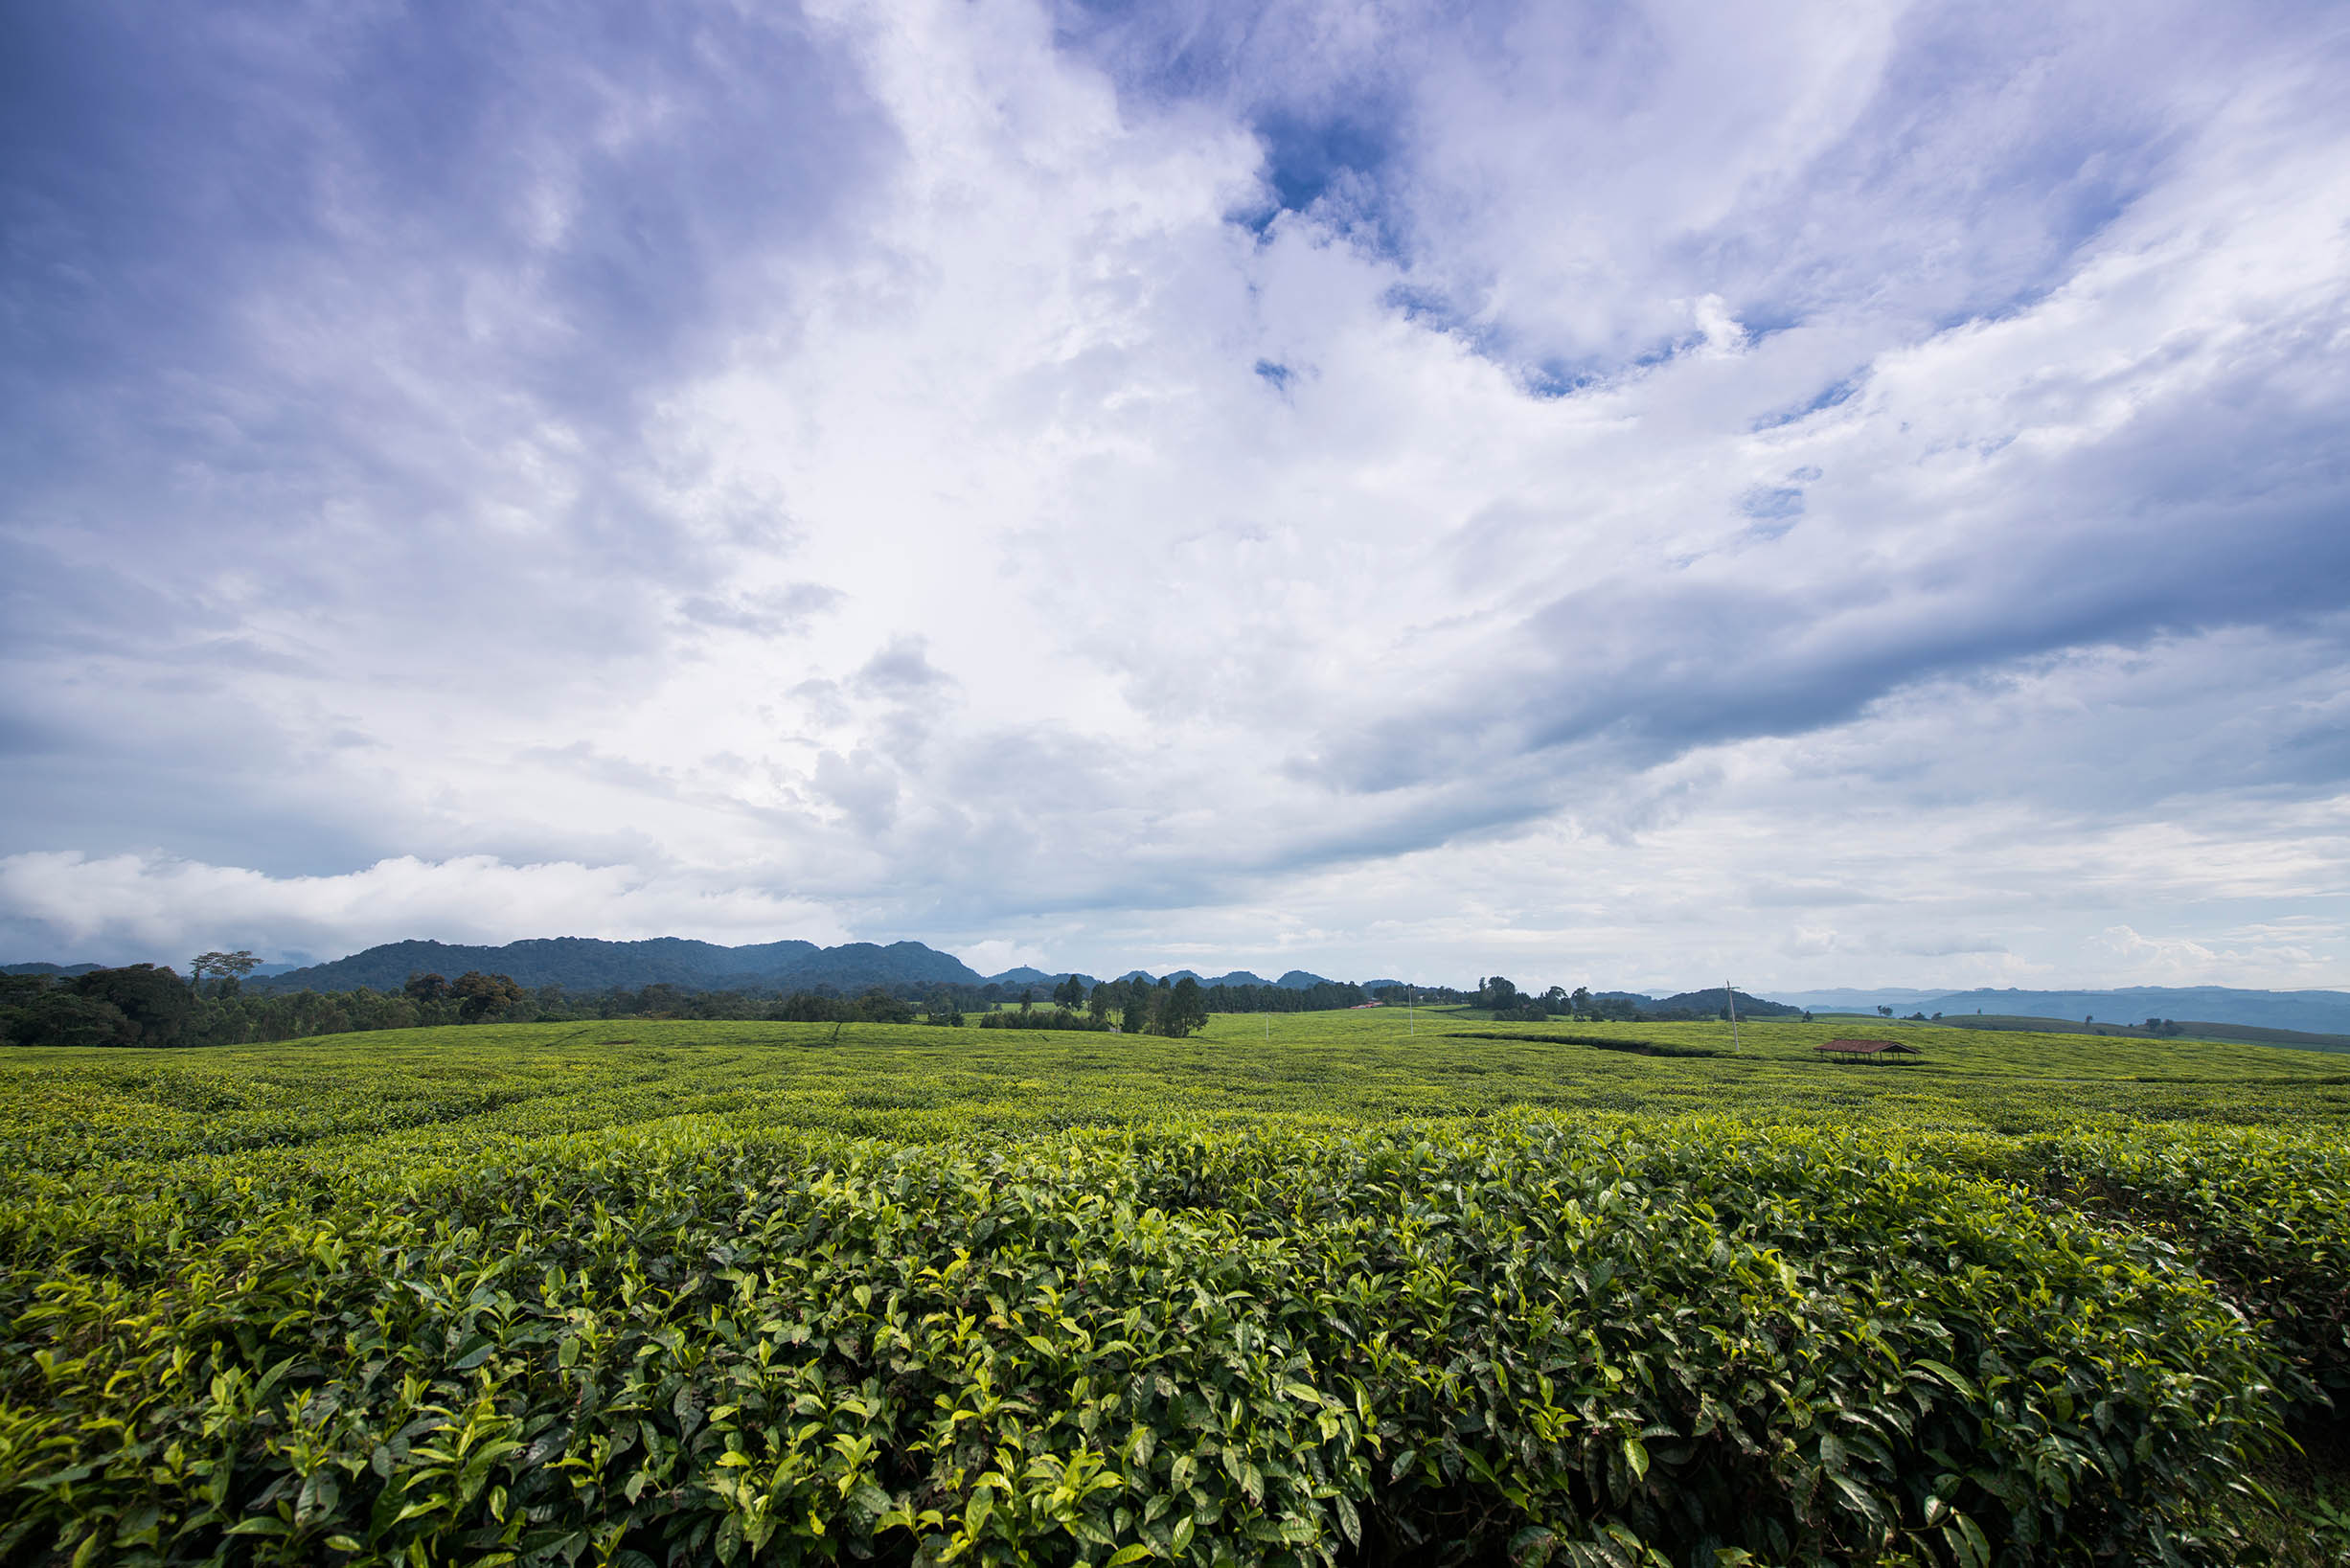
column 1295, row 979
column 2315, row 1011
column 590, row 963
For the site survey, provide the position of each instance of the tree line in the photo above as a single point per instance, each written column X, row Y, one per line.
column 1511, row 1005
column 151, row 1005
column 1508, row 1004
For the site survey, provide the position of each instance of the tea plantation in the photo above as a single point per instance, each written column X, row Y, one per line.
column 1313, row 1290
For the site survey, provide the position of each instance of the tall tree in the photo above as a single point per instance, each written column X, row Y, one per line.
column 1186, row 1009
column 228, row 971
column 156, row 1000
column 66, row 1017
column 479, row 994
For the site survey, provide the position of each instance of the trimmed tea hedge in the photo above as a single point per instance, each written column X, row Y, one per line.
column 2262, row 1213
column 689, row 1340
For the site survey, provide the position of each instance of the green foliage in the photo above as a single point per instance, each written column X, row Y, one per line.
column 229, row 968
column 2264, row 1213
column 875, row 1007
column 1186, row 1010
column 1316, row 996
column 482, row 995
column 155, row 1000
column 1061, row 1018
column 1708, row 1004
column 587, row 964
column 139, row 1005
column 796, row 1293
column 33, row 1010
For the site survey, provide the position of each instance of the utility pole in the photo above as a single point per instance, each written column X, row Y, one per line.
column 1732, row 992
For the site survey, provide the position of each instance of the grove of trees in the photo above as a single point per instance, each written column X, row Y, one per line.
column 150, row 1004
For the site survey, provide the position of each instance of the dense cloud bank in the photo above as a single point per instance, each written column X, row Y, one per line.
column 1817, row 497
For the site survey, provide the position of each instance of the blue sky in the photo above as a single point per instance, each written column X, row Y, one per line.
column 1615, row 493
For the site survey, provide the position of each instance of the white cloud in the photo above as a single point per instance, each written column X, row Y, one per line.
column 2183, row 961
column 998, row 956
column 1739, row 495
column 151, row 906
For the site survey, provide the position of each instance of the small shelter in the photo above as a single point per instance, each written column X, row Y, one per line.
column 1866, row 1050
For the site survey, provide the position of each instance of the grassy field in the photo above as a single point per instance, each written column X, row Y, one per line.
column 1325, row 1287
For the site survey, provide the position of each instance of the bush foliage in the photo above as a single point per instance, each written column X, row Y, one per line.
column 557, row 1296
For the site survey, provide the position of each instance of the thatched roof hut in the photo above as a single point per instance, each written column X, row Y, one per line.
column 1866, row 1050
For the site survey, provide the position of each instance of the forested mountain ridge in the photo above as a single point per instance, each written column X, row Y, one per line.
column 591, row 964
column 1705, row 1003
column 583, row 965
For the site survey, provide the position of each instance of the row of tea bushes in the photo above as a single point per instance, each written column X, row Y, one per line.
column 2262, row 1213
column 686, row 1340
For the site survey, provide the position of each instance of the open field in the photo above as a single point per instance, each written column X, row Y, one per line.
column 1304, row 1288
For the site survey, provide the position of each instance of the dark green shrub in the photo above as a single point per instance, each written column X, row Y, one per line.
column 705, row 1343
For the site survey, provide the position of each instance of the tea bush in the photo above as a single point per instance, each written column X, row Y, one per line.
column 2264, row 1213
column 790, row 1294
column 1276, row 1346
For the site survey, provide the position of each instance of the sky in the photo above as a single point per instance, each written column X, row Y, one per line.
column 1636, row 494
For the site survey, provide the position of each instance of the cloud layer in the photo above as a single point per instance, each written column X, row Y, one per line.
column 1627, row 493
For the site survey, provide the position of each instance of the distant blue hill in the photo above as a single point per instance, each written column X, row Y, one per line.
column 1859, row 998
column 2313, row 1011
column 259, row 971
column 1705, row 1003
column 1295, row 979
